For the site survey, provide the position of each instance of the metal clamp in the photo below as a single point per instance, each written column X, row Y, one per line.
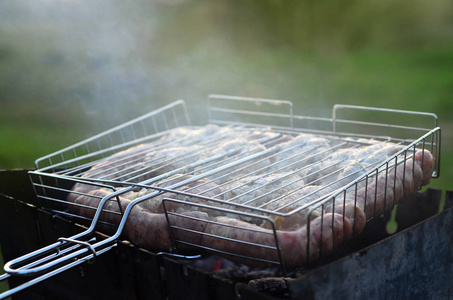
column 88, row 245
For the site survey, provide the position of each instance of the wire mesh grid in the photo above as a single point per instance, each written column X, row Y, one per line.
column 260, row 185
column 256, row 241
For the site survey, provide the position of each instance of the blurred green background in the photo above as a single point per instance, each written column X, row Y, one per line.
column 70, row 69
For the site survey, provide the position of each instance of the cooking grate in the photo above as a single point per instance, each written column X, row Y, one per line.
column 247, row 166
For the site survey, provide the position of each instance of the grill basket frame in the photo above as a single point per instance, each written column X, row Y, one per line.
column 46, row 178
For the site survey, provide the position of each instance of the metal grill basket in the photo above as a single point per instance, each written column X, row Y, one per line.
column 258, row 183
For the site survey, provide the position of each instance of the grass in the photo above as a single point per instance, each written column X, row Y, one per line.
column 314, row 82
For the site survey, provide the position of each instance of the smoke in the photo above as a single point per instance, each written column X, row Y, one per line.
column 108, row 61
column 82, row 57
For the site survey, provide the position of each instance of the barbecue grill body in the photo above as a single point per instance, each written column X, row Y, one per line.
column 415, row 263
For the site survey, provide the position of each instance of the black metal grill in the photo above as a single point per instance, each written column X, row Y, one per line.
column 414, row 263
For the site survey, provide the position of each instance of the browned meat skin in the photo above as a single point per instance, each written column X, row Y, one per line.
column 197, row 187
column 261, row 189
column 182, row 147
column 428, row 164
column 115, row 164
column 325, row 235
column 80, row 189
column 150, row 230
column 275, row 142
column 118, row 162
column 182, row 134
column 146, row 229
column 347, row 220
column 392, row 187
